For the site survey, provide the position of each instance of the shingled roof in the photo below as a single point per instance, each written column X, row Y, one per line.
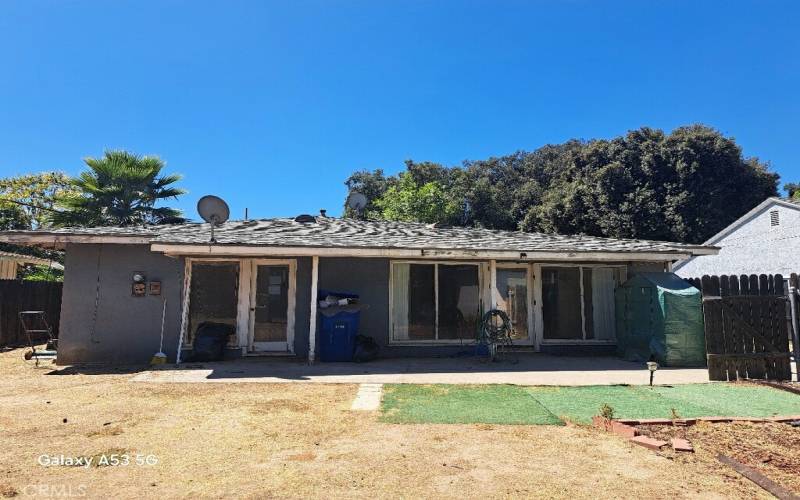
column 329, row 232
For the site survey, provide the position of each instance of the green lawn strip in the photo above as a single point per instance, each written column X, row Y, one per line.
column 508, row 404
column 734, row 400
column 579, row 404
column 462, row 404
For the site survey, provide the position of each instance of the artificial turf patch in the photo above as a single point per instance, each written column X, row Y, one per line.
column 463, row 404
column 579, row 404
column 507, row 404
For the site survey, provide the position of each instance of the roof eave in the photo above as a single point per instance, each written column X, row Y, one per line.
column 59, row 240
column 217, row 250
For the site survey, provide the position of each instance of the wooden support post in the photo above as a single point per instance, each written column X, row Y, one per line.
column 312, row 324
column 493, row 284
column 187, row 283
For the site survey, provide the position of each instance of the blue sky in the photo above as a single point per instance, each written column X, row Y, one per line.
column 272, row 104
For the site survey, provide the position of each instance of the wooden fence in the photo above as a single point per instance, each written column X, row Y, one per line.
column 747, row 335
column 16, row 296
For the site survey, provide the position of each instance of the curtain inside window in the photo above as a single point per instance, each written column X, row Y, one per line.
column 400, row 289
column 604, row 282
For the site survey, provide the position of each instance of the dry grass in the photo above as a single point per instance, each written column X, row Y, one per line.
column 771, row 448
column 301, row 440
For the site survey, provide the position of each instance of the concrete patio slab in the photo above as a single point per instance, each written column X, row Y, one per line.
column 524, row 369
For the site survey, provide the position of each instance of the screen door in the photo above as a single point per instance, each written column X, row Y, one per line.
column 272, row 305
column 512, row 288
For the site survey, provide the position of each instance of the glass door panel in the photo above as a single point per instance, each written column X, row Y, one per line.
column 561, row 303
column 270, row 308
column 512, row 288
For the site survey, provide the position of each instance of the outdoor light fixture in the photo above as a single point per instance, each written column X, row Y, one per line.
column 652, row 366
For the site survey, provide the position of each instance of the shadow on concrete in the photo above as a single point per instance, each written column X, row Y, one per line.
column 523, row 369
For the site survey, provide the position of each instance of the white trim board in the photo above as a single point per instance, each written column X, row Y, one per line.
column 59, row 241
column 267, row 251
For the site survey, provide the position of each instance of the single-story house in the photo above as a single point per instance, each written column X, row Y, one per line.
column 11, row 263
column 765, row 240
column 425, row 287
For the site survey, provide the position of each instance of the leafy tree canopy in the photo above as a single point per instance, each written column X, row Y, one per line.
column 684, row 186
column 25, row 203
column 792, row 190
column 119, row 189
column 26, row 200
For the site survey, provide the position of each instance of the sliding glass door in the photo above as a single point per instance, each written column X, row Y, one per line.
column 433, row 302
column 578, row 303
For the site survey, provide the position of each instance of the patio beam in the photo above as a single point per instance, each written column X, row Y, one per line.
column 312, row 324
column 208, row 250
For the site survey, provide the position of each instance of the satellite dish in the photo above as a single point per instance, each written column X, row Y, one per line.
column 356, row 201
column 213, row 210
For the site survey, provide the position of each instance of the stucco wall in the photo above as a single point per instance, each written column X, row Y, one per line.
column 755, row 247
column 369, row 278
column 125, row 329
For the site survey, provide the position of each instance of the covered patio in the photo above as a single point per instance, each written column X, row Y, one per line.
column 516, row 369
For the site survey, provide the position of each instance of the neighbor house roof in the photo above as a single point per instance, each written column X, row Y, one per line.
column 29, row 259
column 371, row 237
column 783, row 202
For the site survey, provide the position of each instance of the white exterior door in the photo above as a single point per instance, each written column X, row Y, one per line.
column 272, row 304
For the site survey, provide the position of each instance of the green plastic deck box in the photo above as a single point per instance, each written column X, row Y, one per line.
column 660, row 315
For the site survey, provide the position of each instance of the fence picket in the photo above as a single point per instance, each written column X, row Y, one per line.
column 745, row 326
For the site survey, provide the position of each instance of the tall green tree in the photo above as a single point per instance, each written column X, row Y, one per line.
column 410, row 201
column 683, row 186
column 27, row 200
column 119, row 189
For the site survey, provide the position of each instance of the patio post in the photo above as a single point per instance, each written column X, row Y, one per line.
column 312, row 324
column 493, row 284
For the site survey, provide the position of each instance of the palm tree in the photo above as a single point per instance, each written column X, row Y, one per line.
column 119, row 189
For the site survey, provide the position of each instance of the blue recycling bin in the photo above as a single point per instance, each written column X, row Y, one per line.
column 338, row 329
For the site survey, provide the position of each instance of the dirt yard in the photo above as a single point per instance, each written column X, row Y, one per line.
column 301, row 440
column 771, row 448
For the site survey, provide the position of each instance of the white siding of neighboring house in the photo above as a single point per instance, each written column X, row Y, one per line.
column 755, row 246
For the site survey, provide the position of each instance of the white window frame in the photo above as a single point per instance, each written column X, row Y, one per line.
column 479, row 267
column 623, row 276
